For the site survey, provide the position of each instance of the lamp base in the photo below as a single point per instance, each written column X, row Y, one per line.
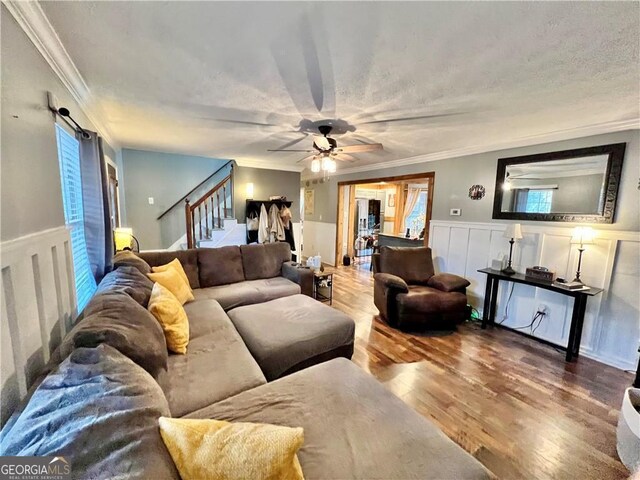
column 508, row 271
column 577, row 280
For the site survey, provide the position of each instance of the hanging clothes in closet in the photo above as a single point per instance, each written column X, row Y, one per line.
column 276, row 228
column 266, row 224
column 263, row 225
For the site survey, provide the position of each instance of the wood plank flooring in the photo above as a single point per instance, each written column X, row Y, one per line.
column 512, row 402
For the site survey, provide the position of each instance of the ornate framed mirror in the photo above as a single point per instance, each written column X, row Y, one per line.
column 578, row 185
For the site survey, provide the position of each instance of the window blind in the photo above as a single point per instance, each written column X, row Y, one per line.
column 69, row 158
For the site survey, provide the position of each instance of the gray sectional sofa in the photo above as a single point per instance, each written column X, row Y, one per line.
column 98, row 401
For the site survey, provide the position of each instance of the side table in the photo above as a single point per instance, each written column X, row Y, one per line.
column 323, row 286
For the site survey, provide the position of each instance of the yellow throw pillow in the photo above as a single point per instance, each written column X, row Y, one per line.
column 169, row 312
column 175, row 263
column 220, row 450
column 172, row 280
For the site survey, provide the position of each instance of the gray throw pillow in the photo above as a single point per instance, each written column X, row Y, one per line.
column 119, row 321
column 100, row 412
column 129, row 280
column 127, row 258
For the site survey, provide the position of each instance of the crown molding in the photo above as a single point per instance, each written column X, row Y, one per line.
column 268, row 165
column 36, row 25
column 539, row 139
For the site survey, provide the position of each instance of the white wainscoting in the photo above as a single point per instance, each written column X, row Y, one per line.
column 38, row 307
column 612, row 321
column 319, row 237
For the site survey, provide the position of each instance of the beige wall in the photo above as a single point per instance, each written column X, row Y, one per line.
column 31, row 198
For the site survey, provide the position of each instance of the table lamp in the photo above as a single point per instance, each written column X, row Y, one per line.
column 123, row 237
column 582, row 236
column 513, row 232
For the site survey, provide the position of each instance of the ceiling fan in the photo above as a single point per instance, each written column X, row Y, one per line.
column 326, row 148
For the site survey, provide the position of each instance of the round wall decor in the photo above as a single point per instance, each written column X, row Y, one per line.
column 476, row 192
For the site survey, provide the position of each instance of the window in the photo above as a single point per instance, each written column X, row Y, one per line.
column 417, row 218
column 538, row 201
column 69, row 158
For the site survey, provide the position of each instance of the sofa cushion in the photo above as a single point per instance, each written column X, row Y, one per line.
column 291, row 333
column 220, row 266
column 100, row 411
column 117, row 320
column 412, row 264
column 264, row 260
column 429, row 300
column 127, row 279
column 385, row 440
column 127, row 258
column 217, row 364
column 249, row 292
column 188, row 260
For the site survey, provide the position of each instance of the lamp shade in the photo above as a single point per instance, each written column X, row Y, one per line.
column 513, row 230
column 583, row 235
column 122, row 237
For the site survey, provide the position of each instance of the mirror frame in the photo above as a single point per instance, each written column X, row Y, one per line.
column 615, row 152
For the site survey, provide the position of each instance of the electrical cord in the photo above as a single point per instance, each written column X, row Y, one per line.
column 542, row 315
column 506, row 309
column 533, row 320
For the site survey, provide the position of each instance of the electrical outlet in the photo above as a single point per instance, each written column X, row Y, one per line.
column 151, row 201
column 542, row 308
column 456, row 212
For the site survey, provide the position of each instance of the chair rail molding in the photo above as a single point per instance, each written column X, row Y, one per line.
column 612, row 330
column 36, row 25
column 38, row 308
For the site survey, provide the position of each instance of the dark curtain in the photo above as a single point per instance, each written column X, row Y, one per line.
column 95, row 198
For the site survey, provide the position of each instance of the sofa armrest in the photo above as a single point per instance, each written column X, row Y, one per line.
column 301, row 276
column 448, row 282
column 391, row 281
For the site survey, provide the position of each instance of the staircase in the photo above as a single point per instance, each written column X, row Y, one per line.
column 209, row 219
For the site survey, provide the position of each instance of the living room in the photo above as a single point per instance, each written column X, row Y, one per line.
column 230, row 143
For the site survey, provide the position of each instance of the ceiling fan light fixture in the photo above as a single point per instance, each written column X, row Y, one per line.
column 332, row 166
column 326, row 164
column 315, row 165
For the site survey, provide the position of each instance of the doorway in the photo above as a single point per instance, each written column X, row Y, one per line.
column 393, row 211
column 114, row 207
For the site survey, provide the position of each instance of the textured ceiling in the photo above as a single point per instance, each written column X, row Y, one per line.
column 232, row 80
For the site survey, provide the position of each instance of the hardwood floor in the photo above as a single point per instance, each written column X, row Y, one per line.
column 511, row 402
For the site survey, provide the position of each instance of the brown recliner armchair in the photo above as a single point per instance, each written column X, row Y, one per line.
column 409, row 294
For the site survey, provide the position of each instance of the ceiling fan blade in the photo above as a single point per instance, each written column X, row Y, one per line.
column 322, row 142
column 306, row 158
column 406, row 119
column 292, row 142
column 344, row 157
column 286, row 150
column 369, row 147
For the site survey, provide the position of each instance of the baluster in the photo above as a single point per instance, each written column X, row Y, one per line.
column 187, row 214
column 219, row 217
column 206, row 220
column 213, row 213
column 224, row 196
column 193, row 228
column 200, row 220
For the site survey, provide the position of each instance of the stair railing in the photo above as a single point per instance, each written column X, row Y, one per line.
column 214, row 204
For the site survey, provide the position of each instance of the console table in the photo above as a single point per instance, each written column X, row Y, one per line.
column 579, row 303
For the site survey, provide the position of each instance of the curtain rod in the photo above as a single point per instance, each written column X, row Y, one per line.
column 64, row 113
